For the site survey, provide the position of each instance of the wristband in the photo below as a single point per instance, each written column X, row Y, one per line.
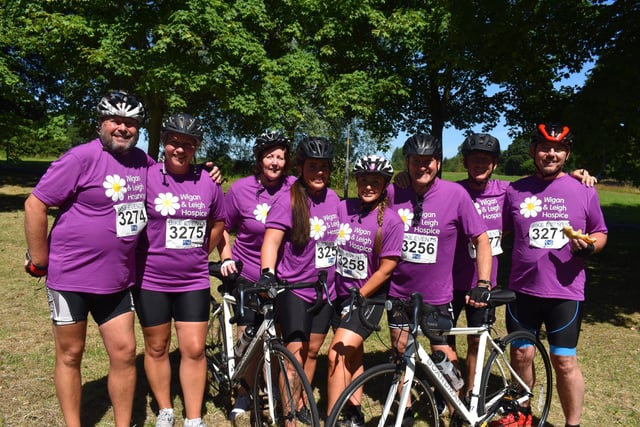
column 484, row 282
column 34, row 269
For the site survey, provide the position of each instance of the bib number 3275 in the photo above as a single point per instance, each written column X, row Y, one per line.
column 185, row 233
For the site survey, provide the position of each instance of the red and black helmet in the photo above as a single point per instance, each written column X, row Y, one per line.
column 552, row 132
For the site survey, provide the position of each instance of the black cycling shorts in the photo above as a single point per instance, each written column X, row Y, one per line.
column 349, row 319
column 400, row 319
column 475, row 316
column 296, row 323
column 562, row 320
column 67, row 307
column 156, row 308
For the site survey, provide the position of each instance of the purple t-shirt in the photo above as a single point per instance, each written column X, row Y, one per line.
column 429, row 246
column 356, row 260
column 247, row 203
column 489, row 204
column 536, row 210
column 101, row 198
column 301, row 265
column 173, row 254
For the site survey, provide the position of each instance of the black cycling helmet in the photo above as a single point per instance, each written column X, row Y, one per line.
column 481, row 142
column 422, row 145
column 552, row 132
column 314, row 147
column 269, row 140
column 373, row 164
column 183, row 123
column 121, row 104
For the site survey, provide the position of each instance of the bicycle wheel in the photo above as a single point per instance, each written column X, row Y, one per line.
column 500, row 393
column 381, row 386
column 219, row 384
column 292, row 394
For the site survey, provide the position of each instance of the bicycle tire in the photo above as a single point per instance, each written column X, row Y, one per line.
column 287, row 407
column 496, row 379
column 377, row 383
column 219, row 383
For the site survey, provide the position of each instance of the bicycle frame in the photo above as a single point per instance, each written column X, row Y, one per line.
column 415, row 353
column 265, row 333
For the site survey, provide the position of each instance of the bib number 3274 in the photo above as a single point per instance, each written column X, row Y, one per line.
column 131, row 218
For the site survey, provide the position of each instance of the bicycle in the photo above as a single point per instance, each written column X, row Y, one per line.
column 277, row 399
column 497, row 390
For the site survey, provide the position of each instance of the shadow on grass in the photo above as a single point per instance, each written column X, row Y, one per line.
column 96, row 402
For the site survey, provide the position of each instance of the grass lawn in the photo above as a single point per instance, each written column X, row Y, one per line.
column 609, row 349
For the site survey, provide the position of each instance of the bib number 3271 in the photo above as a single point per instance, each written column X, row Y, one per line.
column 547, row 234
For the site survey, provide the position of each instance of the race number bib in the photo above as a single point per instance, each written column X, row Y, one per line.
column 325, row 254
column 419, row 249
column 131, row 218
column 185, row 233
column 495, row 240
column 547, row 234
column 351, row 265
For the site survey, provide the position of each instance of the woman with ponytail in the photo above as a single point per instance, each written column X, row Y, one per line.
column 369, row 245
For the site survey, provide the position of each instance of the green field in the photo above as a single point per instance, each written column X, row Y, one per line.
column 609, row 350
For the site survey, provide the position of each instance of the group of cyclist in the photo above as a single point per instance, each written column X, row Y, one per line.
column 133, row 234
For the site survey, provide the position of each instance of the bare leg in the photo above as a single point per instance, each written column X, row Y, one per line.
column 69, row 343
column 120, row 341
column 157, row 340
column 345, row 364
column 311, row 361
column 473, row 342
column 193, row 365
column 570, row 384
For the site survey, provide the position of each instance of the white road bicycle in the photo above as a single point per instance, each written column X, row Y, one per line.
column 398, row 394
column 280, row 391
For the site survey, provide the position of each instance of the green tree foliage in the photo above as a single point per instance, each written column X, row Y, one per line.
column 312, row 67
column 605, row 114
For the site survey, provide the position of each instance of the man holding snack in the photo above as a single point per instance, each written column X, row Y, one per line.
column 548, row 263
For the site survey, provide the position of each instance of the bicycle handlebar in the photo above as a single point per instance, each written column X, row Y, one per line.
column 361, row 303
column 231, row 284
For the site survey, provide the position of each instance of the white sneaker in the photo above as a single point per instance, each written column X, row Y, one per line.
column 165, row 418
column 241, row 406
column 194, row 422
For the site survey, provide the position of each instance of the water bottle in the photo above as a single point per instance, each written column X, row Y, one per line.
column 243, row 341
column 448, row 370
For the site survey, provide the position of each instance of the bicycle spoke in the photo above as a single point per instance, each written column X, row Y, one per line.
column 503, row 394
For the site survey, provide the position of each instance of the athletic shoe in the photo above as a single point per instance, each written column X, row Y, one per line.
column 304, row 416
column 351, row 417
column 240, row 408
column 511, row 420
column 195, row 422
column 165, row 418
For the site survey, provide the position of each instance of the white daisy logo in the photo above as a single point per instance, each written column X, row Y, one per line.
column 530, row 207
column 115, row 187
column 317, row 227
column 344, row 234
column 261, row 212
column 407, row 217
column 166, row 204
column 477, row 205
